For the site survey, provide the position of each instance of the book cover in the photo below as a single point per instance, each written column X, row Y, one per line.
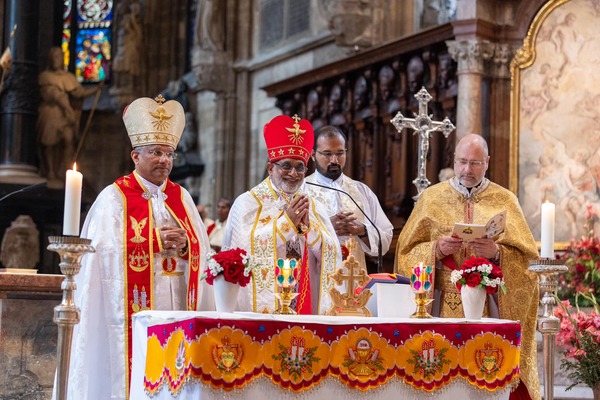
column 492, row 228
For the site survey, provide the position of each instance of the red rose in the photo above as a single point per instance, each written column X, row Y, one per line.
column 496, row 271
column 233, row 272
column 491, row 289
column 473, row 280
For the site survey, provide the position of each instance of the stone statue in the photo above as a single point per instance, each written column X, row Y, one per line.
column 210, row 25
column 129, row 40
column 20, row 244
column 350, row 22
column 59, row 115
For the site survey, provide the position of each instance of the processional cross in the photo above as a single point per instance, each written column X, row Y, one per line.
column 424, row 126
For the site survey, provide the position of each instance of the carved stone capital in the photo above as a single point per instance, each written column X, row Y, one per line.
column 470, row 54
column 211, row 70
column 500, row 66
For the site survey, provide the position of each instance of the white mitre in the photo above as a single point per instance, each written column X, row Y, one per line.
column 151, row 121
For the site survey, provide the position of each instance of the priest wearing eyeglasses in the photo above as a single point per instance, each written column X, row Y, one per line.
column 469, row 197
column 151, row 249
column 329, row 155
column 276, row 219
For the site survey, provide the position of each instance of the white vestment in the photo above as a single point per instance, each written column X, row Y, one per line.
column 258, row 223
column 335, row 202
column 216, row 234
column 98, row 355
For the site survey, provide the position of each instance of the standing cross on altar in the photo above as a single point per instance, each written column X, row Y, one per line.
column 424, row 125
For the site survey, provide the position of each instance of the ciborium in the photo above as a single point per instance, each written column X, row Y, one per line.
column 66, row 314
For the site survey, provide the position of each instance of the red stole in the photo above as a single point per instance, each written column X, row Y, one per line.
column 141, row 241
column 211, row 228
column 304, row 302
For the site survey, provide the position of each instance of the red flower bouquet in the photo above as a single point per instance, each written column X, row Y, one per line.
column 235, row 265
column 479, row 272
column 583, row 259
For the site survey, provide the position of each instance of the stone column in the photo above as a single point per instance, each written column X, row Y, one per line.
column 19, row 98
column 471, row 55
column 500, row 113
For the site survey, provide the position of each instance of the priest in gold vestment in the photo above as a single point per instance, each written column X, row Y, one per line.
column 469, row 197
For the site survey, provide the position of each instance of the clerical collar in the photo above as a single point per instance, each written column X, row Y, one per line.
column 469, row 192
column 328, row 181
column 151, row 187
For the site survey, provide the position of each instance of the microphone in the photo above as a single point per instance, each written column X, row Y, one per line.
column 25, row 189
column 379, row 252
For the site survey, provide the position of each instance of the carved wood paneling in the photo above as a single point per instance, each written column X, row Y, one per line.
column 363, row 100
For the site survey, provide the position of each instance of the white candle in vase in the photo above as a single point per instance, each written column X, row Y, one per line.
column 547, row 230
column 72, row 202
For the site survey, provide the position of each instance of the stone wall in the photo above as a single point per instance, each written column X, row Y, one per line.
column 28, row 335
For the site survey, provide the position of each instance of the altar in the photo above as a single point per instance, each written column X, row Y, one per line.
column 210, row 355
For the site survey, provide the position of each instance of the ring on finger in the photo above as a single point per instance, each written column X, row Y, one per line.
column 297, row 212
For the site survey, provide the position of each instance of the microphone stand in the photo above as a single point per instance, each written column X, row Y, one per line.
column 25, row 189
column 379, row 250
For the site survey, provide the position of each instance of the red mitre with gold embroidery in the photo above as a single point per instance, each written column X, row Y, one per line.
column 289, row 137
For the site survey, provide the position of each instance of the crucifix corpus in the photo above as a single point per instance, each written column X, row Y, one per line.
column 424, row 126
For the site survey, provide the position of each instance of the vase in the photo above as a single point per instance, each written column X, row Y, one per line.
column 226, row 294
column 596, row 391
column 473, row 301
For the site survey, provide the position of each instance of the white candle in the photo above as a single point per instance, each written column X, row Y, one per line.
column 286, row 271
column 547, row 230
column 72, row 202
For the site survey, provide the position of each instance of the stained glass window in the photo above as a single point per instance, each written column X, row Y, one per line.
column 89, row 38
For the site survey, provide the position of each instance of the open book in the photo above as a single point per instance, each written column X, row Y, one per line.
column 469, row 232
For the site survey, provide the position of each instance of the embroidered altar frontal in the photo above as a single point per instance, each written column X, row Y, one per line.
column 231, row 353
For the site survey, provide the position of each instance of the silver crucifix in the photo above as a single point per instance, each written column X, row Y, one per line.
column 422, row 124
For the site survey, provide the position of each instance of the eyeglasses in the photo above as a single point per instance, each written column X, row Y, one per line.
column 287, row 168
column 160, row 154
column 472, row 163
column 329, row 155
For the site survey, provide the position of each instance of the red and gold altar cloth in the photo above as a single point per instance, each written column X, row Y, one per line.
column 297, row 354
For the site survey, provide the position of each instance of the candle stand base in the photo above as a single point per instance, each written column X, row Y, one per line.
column 285, row 298
column 422, row 302
column 66, row 314
column 548, row 324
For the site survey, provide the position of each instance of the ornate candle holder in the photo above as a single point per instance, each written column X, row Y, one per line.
column 422, row 302
column 286, row 275
column 548, row 324
column 420, row 282
column 285, row 298
column 66, row 314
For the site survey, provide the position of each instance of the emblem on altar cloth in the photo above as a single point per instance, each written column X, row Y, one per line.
column 489, row 360
column 362, row 359
column 429, row 360
column 180, row 359
column 227, row 356
column 296, row 359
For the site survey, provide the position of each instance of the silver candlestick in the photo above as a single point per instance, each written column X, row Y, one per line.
column 66, row 314
column 548, row 324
